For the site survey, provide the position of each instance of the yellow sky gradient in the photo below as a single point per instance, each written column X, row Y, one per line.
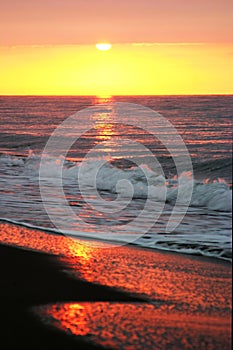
column 48, row 47
column 140, row 69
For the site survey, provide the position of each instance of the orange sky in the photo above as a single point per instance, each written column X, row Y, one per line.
column 159, row 47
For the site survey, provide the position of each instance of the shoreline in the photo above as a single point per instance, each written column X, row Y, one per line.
column 185, row 301
column 81, row 239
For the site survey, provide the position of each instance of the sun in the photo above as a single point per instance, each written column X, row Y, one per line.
column 103, row 46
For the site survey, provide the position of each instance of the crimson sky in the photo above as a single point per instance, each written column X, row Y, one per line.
column 49, row 22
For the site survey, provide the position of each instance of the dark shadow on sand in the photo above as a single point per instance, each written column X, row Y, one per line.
column 29, row 279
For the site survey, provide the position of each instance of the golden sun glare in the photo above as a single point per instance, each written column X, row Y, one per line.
column 103, row 46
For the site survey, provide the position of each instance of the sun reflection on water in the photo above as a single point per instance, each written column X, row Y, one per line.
column 105, row 131
column 102, row 99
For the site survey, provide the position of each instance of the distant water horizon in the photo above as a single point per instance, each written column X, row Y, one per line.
column 109, row 95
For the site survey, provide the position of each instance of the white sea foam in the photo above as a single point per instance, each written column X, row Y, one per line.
column 205, row 229
column 146, row 183
column 132, row 182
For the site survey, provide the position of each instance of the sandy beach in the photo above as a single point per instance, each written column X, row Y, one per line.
column 71, row 295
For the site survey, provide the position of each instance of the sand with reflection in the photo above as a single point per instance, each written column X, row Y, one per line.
column 137, row 326
column 186, row 300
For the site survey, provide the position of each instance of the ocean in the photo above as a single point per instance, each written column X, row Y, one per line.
column 128, row 162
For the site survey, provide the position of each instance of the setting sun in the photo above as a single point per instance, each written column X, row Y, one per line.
column 153, row 69
column 103, row 46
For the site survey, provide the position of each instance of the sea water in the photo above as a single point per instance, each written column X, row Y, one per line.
column 203, row 122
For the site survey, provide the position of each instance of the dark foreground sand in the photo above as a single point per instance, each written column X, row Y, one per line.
column 134, row 299
column 29, row 279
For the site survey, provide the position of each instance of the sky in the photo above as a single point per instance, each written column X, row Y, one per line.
column 158, row 47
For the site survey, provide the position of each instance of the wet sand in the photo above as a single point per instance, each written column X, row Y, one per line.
column 29, row 279
column 123, row 298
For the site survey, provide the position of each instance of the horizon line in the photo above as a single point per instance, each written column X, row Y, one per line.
column 108, row 96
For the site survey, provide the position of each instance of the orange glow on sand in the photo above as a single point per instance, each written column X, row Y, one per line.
column 136, row 326
column 199, row 309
